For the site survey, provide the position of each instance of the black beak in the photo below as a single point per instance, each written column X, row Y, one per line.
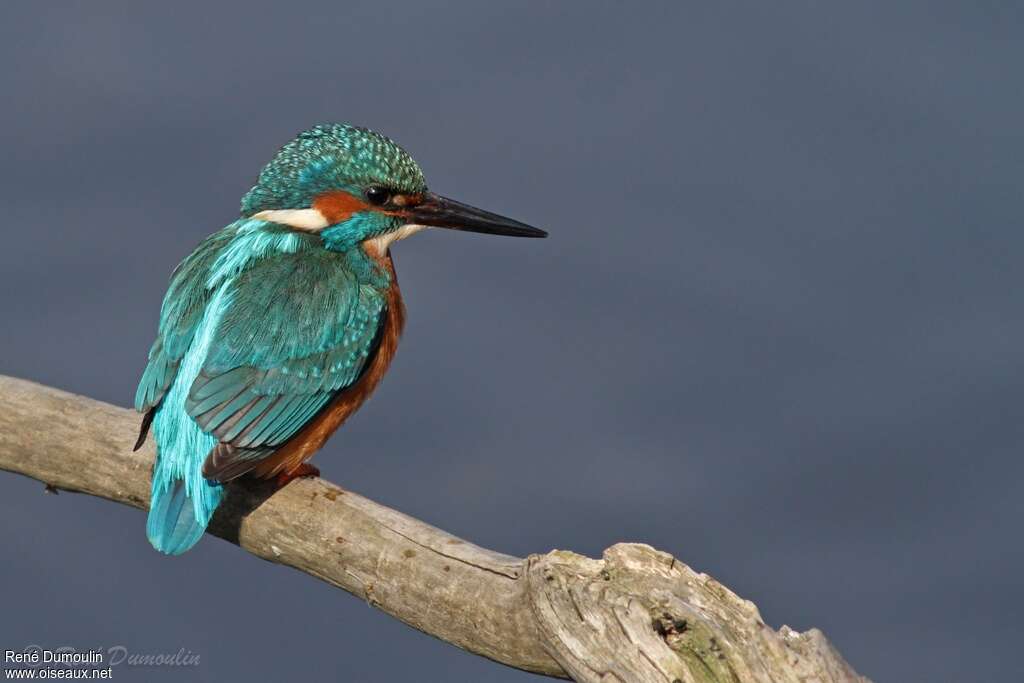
column 440, row 212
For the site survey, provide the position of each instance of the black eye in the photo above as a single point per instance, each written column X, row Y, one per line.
column 378, row 195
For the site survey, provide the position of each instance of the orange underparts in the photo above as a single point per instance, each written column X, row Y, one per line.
column 303, row 470
column 338, row 206
column 312, row 437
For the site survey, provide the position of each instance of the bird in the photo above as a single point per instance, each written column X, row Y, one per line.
column 279, row 326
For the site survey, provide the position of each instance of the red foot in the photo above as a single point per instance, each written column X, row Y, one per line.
column 303, row 470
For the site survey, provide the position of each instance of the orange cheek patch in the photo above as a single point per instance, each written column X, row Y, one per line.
column 406, row 199
column 403, row 203
column 338, row 207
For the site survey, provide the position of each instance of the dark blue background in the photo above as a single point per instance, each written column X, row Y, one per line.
column 776, row 330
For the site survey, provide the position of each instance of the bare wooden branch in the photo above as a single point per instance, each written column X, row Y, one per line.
column 636, row 615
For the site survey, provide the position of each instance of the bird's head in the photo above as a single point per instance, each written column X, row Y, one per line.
column 351, row 185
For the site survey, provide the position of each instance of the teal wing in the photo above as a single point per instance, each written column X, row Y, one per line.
column 299, row 329
column 182, row 309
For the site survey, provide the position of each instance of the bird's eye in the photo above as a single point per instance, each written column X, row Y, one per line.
column 378, row 195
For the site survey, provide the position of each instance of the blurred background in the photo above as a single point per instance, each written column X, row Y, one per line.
column 776, row 330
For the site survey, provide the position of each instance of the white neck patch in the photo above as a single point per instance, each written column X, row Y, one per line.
column 309, row 220
column 312, row 220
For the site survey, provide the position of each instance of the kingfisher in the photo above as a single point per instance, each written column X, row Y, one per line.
column 279, row 326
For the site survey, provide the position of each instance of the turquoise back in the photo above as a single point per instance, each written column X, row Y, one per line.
column 261, row 326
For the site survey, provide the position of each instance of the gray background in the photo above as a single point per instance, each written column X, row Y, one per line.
column 776, row 330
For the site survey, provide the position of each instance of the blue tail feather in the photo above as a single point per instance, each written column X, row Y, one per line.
column 182, row 501
column 172, row 526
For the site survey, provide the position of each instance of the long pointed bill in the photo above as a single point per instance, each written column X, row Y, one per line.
column 440, row 212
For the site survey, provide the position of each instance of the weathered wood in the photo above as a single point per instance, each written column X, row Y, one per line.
column 641, row 615
column 636, row 615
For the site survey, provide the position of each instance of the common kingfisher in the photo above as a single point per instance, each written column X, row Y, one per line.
column 279, row 326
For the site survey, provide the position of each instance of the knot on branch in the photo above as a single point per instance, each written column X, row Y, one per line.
column 639, row 614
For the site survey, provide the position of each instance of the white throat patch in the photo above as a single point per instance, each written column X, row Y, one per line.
column 381, row 243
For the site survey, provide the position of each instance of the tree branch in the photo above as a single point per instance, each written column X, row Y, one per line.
column 636, row 615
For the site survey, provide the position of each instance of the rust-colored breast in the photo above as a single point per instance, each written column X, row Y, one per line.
column 313, row 436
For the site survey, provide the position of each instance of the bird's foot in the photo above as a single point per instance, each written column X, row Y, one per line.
column 303, row 470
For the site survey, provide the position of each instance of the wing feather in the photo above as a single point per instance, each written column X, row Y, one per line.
column 180, row 313
column 299, row 329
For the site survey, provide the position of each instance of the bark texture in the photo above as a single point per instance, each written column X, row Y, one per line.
column 637, row 614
